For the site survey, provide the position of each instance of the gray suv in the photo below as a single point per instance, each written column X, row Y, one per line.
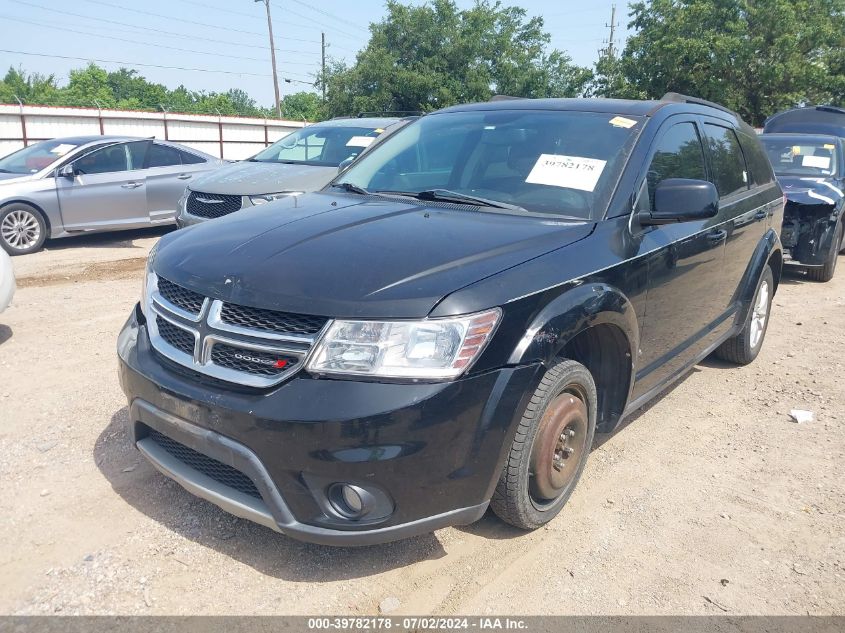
column 67, row 186
column 303, row 161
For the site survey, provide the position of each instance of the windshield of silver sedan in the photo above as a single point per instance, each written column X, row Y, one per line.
column 319, row 145
column 562, row 163
column 34, row 158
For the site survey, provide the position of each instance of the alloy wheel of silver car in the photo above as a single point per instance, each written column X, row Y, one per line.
column 760, row 314
column 20, row 229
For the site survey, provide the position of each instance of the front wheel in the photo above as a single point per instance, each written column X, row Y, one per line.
column 550, row 448
column 744, row 347
column 22, row 229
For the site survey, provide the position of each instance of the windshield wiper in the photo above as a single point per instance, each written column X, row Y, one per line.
column 446, row 195
column 351, row 188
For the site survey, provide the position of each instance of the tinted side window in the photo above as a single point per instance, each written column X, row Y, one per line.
column 163, row 156
column 678, row 155
column 137, row 153
column 190, row 159
column 729, row 172
column 758, row 162
column 103, row 161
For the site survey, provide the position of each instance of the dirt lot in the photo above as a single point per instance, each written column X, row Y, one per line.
column 709, row 501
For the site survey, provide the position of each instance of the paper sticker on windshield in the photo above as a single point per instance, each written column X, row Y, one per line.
column 61, row 150
column 828, row 145
column 571, row 172
column 360, row 141
column 819, row 162
column 621, row 121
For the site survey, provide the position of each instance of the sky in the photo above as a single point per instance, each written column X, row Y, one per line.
column 215, row 45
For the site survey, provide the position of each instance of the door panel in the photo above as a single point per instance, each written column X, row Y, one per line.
column 104, row 193
column 683, row 313
column 166, row 179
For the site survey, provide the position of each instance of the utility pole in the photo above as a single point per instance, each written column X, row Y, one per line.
column 273, row 58
column 323, row 76
column 610, row 51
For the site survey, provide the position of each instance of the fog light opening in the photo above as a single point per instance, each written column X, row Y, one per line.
column 351, row 502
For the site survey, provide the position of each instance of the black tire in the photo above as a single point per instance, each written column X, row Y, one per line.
column 513, row 500
column 824, row 273
column 22, row 229
column 742, row 349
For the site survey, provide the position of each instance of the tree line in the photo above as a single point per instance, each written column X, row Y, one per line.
column 754, row 56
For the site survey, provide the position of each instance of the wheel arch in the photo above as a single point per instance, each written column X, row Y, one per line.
column 34, row 205
column 594, row 324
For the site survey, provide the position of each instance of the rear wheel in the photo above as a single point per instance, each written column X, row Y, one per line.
column 744, row 347
column 22, row 229
column 550, row 448
column 825, row 273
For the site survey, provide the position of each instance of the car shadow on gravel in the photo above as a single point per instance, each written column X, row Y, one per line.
column 115, row 239
column 167, row 503
column 5, row 333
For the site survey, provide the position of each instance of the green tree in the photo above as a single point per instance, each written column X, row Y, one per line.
column 32, row 88
column 754, row 56
column 87, row 88
column 302, row 105
column 423, row 57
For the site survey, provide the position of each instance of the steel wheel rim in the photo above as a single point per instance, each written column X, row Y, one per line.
column 20, row 229
column 760, row 314
column 558, row 447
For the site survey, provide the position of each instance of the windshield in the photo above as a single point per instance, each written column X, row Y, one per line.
column 797, row 156
column 321, row 145
column 34, row 158
column 559, row 163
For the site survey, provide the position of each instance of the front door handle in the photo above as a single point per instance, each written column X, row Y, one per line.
column 717, row 236
column 761, row 215
column 132, row 185
column 184, row 176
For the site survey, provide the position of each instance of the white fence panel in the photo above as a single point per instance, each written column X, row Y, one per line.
column 233, row 138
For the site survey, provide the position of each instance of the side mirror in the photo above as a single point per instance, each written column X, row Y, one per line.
column 67, row 171
column 346, row 162
column 681, row 200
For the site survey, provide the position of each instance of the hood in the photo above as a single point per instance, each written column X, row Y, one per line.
column 8, row 179
column 353, row 256
column 253, row 178
column 812, row 191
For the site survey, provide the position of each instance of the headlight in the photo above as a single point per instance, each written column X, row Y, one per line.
column 269, row 197
column 147, row 283
column 428, row 349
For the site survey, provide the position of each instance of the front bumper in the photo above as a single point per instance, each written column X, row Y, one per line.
column 432, row 451
column 808, row 234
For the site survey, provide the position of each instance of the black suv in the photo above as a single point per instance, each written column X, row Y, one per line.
column 447, row 325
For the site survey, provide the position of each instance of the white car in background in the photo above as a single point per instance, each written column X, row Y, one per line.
column 7, row 280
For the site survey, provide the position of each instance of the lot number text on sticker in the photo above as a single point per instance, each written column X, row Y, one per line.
column 570, row 172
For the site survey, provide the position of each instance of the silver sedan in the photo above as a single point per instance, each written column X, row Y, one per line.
column 67, row 186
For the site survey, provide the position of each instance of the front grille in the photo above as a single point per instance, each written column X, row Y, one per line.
column 212, row 205
column 218, row 471
column 271, row 320
column 175, row 336
column 187, row 300
column 257, row 363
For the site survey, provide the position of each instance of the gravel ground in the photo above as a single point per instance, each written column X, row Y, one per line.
column 709, row 501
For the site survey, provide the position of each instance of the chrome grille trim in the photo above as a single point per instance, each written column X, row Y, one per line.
column 208, row 329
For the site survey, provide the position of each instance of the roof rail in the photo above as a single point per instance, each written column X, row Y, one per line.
column 504, row 98
column 399, row 113
column 830, row 108
column 676, row 97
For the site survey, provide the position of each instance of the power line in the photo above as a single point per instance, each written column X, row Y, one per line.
column 329, row 15
column 247, row 15
column 123, row 39
column 317, row 23
column 179, row 19
column 154, row 30
column 128, row 63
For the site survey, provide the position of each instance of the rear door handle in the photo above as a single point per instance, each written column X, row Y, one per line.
column 132, row 185
column 183, row 176
column 717, row 236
